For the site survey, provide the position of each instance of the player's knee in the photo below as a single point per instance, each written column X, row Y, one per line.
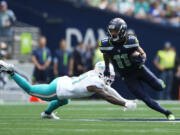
column 65, row 101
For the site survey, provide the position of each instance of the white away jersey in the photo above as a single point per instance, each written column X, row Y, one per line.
column 76, row 87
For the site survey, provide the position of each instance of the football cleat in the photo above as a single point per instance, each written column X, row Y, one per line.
column 5, row 67
column 49, row 116
column 162, row 83
column 170, row 116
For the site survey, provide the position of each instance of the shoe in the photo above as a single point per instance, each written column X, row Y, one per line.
column 49, row 116
column 162, row 83
column 170, row 116
column 5, row 67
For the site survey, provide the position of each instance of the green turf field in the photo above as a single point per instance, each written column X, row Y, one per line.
column 87, row 118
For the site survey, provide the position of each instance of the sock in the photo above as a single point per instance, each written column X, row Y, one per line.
column 55, row 104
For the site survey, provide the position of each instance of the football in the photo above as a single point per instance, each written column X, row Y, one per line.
column 134, row 55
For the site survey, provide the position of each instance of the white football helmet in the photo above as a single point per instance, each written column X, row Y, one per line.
column 99, row 69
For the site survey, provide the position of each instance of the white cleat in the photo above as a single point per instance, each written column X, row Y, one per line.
column 5, row 67
column 130, row 105
column 49, row 116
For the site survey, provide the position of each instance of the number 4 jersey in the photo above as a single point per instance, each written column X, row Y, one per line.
column 119, row 53
column 76, row 87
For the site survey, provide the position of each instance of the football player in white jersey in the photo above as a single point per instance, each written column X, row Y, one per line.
column 63, row 88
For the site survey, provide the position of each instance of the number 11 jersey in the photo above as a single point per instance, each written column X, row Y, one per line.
column 120, row 53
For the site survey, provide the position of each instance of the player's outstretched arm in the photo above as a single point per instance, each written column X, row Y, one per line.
column 114, row 93
column 105, row 95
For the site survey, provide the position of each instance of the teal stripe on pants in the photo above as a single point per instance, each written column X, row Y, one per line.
column 44, row 91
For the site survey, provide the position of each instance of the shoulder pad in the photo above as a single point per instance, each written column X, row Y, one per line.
column 132, row 42
column 105, row 45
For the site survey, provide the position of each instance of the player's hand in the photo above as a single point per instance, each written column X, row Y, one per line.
column 130, row 105
column 107, row 72
column 40, row 67
column 8, row 24
column 140, row 60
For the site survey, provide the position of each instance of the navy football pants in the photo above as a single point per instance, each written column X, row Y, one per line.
column 134, row 84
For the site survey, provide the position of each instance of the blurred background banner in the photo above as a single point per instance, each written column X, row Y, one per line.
column 26, row 43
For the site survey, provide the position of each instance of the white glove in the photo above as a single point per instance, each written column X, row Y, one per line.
column 131, row 105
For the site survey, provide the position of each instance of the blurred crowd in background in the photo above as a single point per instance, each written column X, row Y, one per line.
column 63, row 61
column 165, row 12
column 60, row 62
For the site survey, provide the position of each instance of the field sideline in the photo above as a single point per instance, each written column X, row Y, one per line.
column 88, row 118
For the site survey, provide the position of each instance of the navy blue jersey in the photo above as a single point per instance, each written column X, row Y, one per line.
column 119, row 54
column 63, row 60
column 42, row 55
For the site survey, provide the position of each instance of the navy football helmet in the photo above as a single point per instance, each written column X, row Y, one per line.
column 118, row 25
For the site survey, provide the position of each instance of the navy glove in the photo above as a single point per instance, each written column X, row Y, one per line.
column 107, row 72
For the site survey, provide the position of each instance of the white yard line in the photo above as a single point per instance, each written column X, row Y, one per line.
column 155, row 130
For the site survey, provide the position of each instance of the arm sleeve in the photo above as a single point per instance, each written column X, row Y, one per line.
column 34, row 53
column 55, row 60
column 114, row 93
column 132, row 43
column 12, row 16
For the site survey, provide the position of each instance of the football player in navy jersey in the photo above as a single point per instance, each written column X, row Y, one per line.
column 128, row 58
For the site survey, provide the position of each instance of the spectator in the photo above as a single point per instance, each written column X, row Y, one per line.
column 166, row 12
column 63, row 61
column 41, row 58
column 176, row 85
column 3, row 50
column 98, row 56
column 89, row 58
column 165, row 63
column 112, row 5
column 79, row 63
column 7, row 19
column 3, row 55
column 125, row 7
column 156, row 13
column 171, row 16
column 141, row 9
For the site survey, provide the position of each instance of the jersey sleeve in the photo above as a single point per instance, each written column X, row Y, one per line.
column 49, row 54
column 34, row 53
column 132, row 42
column 105, row 46
column 98, row 82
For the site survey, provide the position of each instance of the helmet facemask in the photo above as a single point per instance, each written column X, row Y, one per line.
column 99, row 69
